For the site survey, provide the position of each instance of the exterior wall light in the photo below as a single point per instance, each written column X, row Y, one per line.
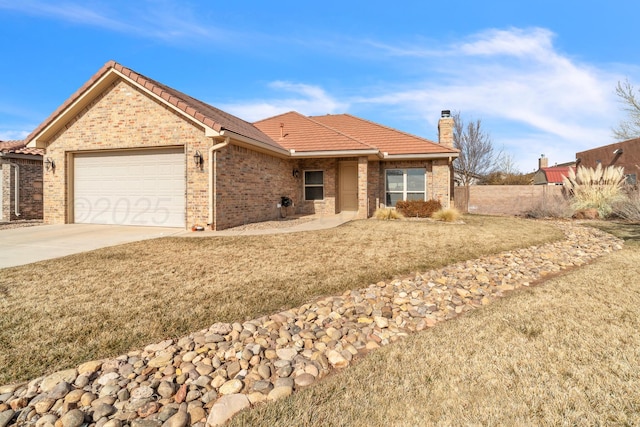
column 197, row 159
column 296, row 173
column 49, row 164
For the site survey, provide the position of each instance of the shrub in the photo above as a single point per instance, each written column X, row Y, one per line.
column 595, row 188
column 629, row 208
column 552, row 207
column 418, row 208
column 447, row 215
column 387, row 214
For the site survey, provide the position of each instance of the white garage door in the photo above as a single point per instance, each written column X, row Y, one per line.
column 130, row 188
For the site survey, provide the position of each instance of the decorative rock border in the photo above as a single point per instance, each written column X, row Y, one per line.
column 207, row 377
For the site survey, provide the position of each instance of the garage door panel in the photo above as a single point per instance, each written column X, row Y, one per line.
column 130, row 188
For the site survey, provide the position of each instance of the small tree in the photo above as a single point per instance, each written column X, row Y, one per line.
column 629, row 128
column 506, row 173
column 595, row 188
column 477, row 155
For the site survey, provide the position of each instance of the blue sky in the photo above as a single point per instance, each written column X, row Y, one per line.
column 540, row 75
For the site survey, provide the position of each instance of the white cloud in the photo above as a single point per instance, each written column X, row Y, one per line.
column 519, row 78
column 155, row 20
column 12, row 134
column 308, row 100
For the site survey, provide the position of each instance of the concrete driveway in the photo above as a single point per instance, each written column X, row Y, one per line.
column 19, row 246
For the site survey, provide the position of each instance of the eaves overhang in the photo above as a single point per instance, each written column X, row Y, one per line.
column 21, row 156
column 334, row 153
column 250, row 142
column 420, row 156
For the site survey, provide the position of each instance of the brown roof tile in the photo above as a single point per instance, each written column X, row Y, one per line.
column 19, row 147
column 205, row 113
column 294, row 131
column 384, row 138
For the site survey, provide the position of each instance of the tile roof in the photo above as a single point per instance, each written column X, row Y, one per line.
column 200, row 111
column 340, row 132
column 384, row 138
column 19, row 147
column 554, row 174
column 294, row 131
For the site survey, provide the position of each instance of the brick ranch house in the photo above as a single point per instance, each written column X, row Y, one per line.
column 20, row 181
column 129, row 150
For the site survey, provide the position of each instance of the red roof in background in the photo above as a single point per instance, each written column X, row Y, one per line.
column 294, row 131
column 19, row 147
column 384, row 138
column 554, row 174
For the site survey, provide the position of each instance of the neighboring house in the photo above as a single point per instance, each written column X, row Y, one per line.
column 553, row 175
column 458, row 178
column 20, row 181
column 129, row 150
column 625, row 154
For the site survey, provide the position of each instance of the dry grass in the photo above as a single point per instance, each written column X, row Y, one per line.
column 387, row 214
column 563, row 353
column 447, row 215
column 598, row 188
column 59, row 313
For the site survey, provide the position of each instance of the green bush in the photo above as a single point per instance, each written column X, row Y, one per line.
column 418, row 208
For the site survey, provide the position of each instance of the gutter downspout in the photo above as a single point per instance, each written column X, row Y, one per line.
column 449, row 187
column 213, row 180
column 16, row 193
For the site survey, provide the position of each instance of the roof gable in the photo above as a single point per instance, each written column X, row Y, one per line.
column 386, row 139
column 196, row 110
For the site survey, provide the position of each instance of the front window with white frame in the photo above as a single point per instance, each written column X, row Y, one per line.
column 314, row 185
column 405, row 184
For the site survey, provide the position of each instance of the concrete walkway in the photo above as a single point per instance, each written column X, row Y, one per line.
column 24, row 245
column 320, row 222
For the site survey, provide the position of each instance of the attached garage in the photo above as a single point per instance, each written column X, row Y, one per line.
column 130, row 187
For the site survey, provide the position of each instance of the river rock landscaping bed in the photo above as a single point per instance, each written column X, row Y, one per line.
column 205, row 378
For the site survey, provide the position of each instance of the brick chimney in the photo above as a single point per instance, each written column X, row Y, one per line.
column 445, row 129
column 543, row 162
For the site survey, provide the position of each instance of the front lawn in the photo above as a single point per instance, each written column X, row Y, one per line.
column 564, row 353
column 59, row 313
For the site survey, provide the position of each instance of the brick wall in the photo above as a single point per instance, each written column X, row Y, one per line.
column 124, row 117
column 438, row 178
column 328, row 206
column 504, row 199
column 30, row 195
column 250, row 185
column 629, row 159
column 374, row 180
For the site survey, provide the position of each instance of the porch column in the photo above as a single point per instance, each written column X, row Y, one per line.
column 363, row 193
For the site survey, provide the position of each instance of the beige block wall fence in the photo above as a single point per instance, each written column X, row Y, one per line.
column 504, row 199
column 249, row 184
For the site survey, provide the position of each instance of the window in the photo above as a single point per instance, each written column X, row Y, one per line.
column 313, row 185
column 405, row 184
